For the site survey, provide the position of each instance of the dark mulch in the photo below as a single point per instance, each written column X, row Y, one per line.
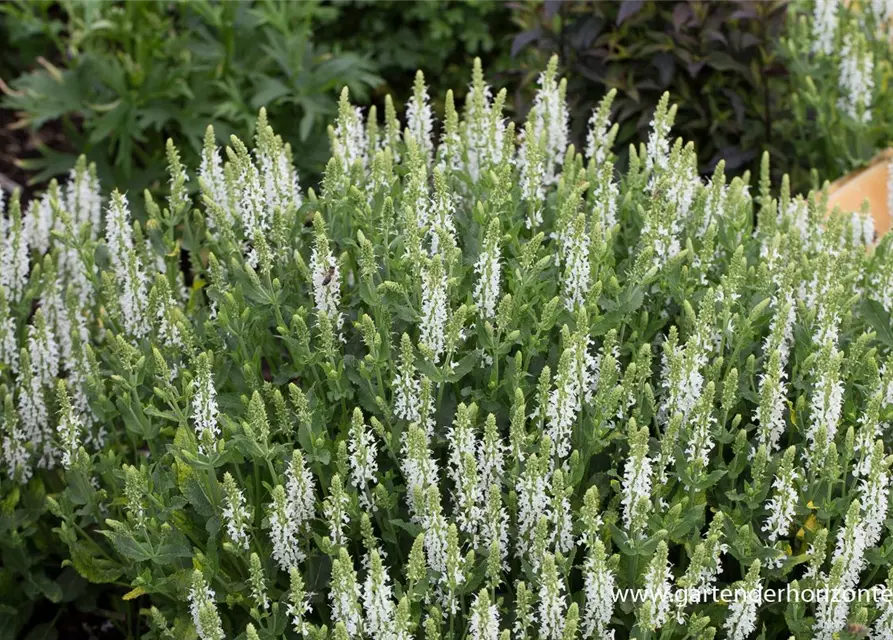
column 66, row 622
column 19, row 143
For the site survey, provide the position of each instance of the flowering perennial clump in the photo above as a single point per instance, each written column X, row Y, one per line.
column 839, row 58
column 478, row 385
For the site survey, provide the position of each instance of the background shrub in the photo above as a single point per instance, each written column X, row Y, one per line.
column 125, row 77
column 437, row 37
column 717, row 60
column 117, row 79
column 745, row 75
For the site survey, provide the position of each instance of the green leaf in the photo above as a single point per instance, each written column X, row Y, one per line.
column 95, row 569
column 879, row 320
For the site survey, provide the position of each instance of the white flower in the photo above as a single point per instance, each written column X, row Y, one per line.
column 532, row 166
column 773, row 391
column 168, row 328
column 204, row 406
column 258, row 583
column 700, row 443
column 662, row 229
column 484, row 126
column 882, row 10
column 251, row 205
column 14, row 259
column 363, row 451
column 605, row 194
column 856, row 78
column 419, row 116
column 434, row 308
column 345, row 595
column 826, row 405
column 862, row 229
column 683, row 181
column 883, row 626
column 714, row 205
column 44, row 352
column 69, row 429
column 824, row 26
column 636, row 488
column 550, row 119
column 658, row 148
column 348, row 138
column 406, row 388
column 9, row 348
column 533, row 502
column 278, row 176
column 552, row 606
column 37, row 377
column 874, row 496
column 326, row 284
column 378, row 600
column 299, row 603
column 292, row 507
column 419, row 470
column 127, row 266
column 484, row 622
column 300, row 488
column 490, row 456
column 434, row 526
column 600, row 135
column 577, row 277
column 890, row 179
column 655, row 609
column 488, row 269
column 204, row 610
column 13, row 453
column 235, row 513
column 562, row 534
column 742, row 618
column 83, row 197
column 283, row 533
column 335, row 509
column 564, row 402
column 463, row 469
column 846, row 565
column 494, row 526
column 39, row 222
column 34, row 415
column 598, row 587
column 781, row 507
column 442, row 232
column 211, row 176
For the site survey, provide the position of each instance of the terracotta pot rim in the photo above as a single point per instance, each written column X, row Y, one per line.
column 883, row 156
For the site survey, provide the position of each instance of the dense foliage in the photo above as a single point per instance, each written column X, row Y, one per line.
column 120, row 78
column 468, row 389
column 840, row 60
column 123, row 77
column 114, row 80
column 808, row 81
column 438, row 37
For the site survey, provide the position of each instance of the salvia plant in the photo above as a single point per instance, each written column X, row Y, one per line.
column 839, row 57
column 478, row 385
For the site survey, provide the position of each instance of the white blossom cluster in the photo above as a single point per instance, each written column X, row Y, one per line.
column 856, row 78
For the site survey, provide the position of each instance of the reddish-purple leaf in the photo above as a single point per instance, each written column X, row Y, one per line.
column 552, row 7
column 628, row 9
column 525, row 38
column 681, row 16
